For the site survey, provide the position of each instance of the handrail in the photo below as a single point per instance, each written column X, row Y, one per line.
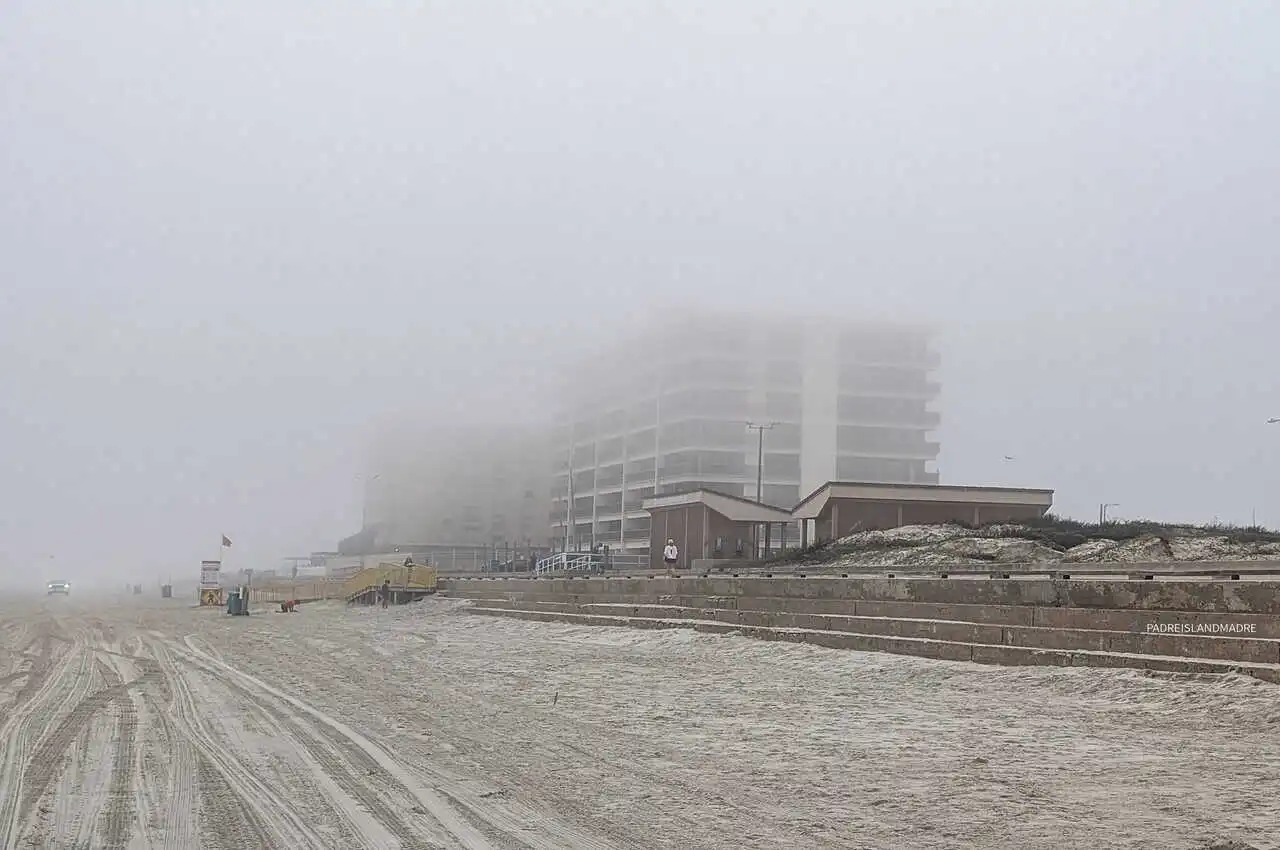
column 399, row 576
column 1134, row 570
column 589, row 562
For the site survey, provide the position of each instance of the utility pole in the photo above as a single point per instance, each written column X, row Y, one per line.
column 570, row 520
column 1102, row 511
column 657, row 434
column 759, row 428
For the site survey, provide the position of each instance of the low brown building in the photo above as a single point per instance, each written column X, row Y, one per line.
column 708, row 524
column 839, row 508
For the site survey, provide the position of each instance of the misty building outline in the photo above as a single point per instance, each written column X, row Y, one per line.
column 666, row 410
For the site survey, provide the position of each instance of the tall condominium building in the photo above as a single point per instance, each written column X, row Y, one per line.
column 667, row 410
column 434, row 486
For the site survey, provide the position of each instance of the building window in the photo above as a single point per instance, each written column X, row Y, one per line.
column 884, row 379
column 608, row 476
column 904, row 411
column 613, row 422
column 871, row 346
column 781, row 465
column 610, row 450
column 780, row 495
column 641, row 442
column 642, row 415
column 584, row 456
column 874, row 469
column 702, row 462
column 870, row 439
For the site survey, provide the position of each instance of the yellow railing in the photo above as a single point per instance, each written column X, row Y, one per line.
column 279, row 591
column 398, row 576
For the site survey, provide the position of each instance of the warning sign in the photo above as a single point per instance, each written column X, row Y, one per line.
column 210, row 574
column 210, row 596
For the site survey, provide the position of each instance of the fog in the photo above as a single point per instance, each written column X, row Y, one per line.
column 234, row 235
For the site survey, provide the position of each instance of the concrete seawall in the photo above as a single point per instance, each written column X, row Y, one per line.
column 1252, row 597
column 1176, row 626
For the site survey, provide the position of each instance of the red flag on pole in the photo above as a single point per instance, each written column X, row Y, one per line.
column 226, row 541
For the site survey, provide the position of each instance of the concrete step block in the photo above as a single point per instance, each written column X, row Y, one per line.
column 1265, row 651
column 982, row 653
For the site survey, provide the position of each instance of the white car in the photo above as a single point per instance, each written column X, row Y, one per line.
column 60, row 587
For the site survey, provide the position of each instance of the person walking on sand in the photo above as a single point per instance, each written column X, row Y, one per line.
column 671, row 556
column 386, row 592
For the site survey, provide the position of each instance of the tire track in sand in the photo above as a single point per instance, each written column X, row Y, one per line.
column 48, row 761
column 229, row 823
column 53, row 685
column 348, row 767
column 116, row 822
column 462, row 830
column 235, row 805
column 506, row 821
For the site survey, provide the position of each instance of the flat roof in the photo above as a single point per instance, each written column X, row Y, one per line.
column 735, row 508
column 811, row 506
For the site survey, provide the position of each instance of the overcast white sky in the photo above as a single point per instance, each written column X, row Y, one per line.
column 233, row 233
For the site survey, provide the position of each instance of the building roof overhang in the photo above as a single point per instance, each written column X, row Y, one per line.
column 812, row 506
column 733, row 508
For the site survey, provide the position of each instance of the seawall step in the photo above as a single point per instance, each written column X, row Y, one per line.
column 949, row 650
column 1042, row 616
column 1228, row 597
column 1225, row 646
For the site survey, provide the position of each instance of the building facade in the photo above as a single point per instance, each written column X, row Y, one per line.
column 667, row 411
column 432, row 486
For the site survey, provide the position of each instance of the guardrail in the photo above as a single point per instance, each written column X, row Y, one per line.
column 589, row 562
column 1142, row 571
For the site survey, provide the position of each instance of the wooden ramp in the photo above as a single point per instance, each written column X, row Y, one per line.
column 406, row 584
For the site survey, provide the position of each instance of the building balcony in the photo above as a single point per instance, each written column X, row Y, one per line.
column 915, row 390
column 929, row 420
column 925, row 360
column 923, row 451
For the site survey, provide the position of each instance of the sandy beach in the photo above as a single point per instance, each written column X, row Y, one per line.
column 150, row 724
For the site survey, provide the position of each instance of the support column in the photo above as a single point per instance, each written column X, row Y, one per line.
column 899, row 516
column 706, row 531
column 804, row 534
column 835, row 520
column 685, row 548
column 977, row 515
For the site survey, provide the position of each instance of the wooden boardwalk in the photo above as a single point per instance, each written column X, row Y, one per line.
column 399, row 595
column 406, row 584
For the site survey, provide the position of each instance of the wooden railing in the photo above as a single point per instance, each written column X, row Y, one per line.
column 418, row 577
column 303, row 589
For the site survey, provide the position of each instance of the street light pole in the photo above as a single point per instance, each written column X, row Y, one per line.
column 759, row 429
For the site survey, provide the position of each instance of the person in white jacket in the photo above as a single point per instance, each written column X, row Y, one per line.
column 670, row 556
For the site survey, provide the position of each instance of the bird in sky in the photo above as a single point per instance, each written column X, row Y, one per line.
column 1008, row 457
column 1273, row 420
